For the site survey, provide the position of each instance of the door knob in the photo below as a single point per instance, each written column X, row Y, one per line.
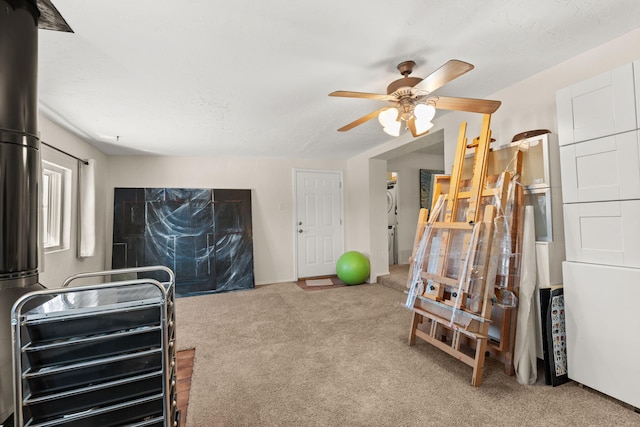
column 300, row 230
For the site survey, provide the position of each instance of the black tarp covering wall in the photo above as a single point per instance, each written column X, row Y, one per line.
column 203, row 235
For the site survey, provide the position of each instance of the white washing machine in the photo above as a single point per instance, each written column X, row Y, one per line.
column 392, row 203
column 393, row 252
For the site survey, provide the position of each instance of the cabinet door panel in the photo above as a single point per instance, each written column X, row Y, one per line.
column 602, row 169
column 600, row 106
column 603, row 232
column 601, row 326
column 636, row 76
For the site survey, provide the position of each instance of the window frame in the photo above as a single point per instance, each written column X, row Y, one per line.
column 55, row 207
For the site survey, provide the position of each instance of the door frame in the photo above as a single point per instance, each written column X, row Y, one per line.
column 295, row 210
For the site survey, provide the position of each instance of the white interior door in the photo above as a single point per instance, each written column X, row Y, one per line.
column 319, row 226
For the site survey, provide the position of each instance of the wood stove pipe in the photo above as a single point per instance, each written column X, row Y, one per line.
column 19, row 165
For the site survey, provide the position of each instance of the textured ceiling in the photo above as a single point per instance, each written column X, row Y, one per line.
column 251, row 78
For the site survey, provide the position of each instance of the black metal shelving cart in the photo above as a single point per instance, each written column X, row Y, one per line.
column 99, row 353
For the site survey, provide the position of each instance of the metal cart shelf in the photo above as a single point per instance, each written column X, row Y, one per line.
column 97, row 354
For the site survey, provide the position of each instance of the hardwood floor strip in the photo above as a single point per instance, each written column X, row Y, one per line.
column 184, row 360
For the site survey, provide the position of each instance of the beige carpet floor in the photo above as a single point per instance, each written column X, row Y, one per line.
column 281, row 356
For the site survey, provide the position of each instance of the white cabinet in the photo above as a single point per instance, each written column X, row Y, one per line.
column 636, row 76
column 603, row 232
column 602, row 351
column 598, row 122
column 601, row 106
column 601, row 169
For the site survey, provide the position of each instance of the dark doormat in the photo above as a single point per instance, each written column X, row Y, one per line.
column 317, row 284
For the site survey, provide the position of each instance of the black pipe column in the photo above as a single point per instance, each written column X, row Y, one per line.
column 19, row 172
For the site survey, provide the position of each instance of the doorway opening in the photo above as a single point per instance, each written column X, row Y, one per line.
column 392, row 215
column 403, row 168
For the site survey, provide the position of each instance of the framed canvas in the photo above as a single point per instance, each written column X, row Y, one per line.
column 426, row 186
column 204, row 235
column 554, row 343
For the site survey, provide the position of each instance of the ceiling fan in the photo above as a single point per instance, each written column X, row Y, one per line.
column 412, row 103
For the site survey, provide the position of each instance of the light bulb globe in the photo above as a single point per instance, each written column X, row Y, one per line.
column 388, row 117
column 424, row 112
column 393, row 129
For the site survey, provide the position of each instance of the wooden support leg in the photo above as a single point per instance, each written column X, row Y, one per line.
column 455, row 341
column 415, row 321
column 481, row 348
column 509, row 367
column 433, row 330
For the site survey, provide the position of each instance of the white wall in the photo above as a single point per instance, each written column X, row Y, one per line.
column 408, row 168
column 531, row 103
column 379, row 252
column 366, row 212
column 59, row 265
column 357, row 196
column 271, row 182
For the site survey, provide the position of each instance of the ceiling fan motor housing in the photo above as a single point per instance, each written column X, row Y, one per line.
column 406, row 67
column 405, row 82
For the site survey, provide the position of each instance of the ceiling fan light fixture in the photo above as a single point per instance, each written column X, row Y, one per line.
column 388, row 117
column 422, row 126
column 393, row 129
column 424, row 112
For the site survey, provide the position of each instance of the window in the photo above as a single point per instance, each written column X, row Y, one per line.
column 56, row 206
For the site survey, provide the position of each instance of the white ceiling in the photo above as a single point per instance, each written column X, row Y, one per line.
column 251, row 78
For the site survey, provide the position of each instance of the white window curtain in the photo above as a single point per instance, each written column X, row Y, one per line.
column 87, row 209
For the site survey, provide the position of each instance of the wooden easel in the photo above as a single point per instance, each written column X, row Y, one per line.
column 453, row 306
column 503, row 350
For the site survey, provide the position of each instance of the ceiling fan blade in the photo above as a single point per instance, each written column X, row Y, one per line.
column 349, row 94
column 472, row 105
column 361, row 120
column 443, row 75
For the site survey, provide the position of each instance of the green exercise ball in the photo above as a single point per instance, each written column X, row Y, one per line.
column 352, row 268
